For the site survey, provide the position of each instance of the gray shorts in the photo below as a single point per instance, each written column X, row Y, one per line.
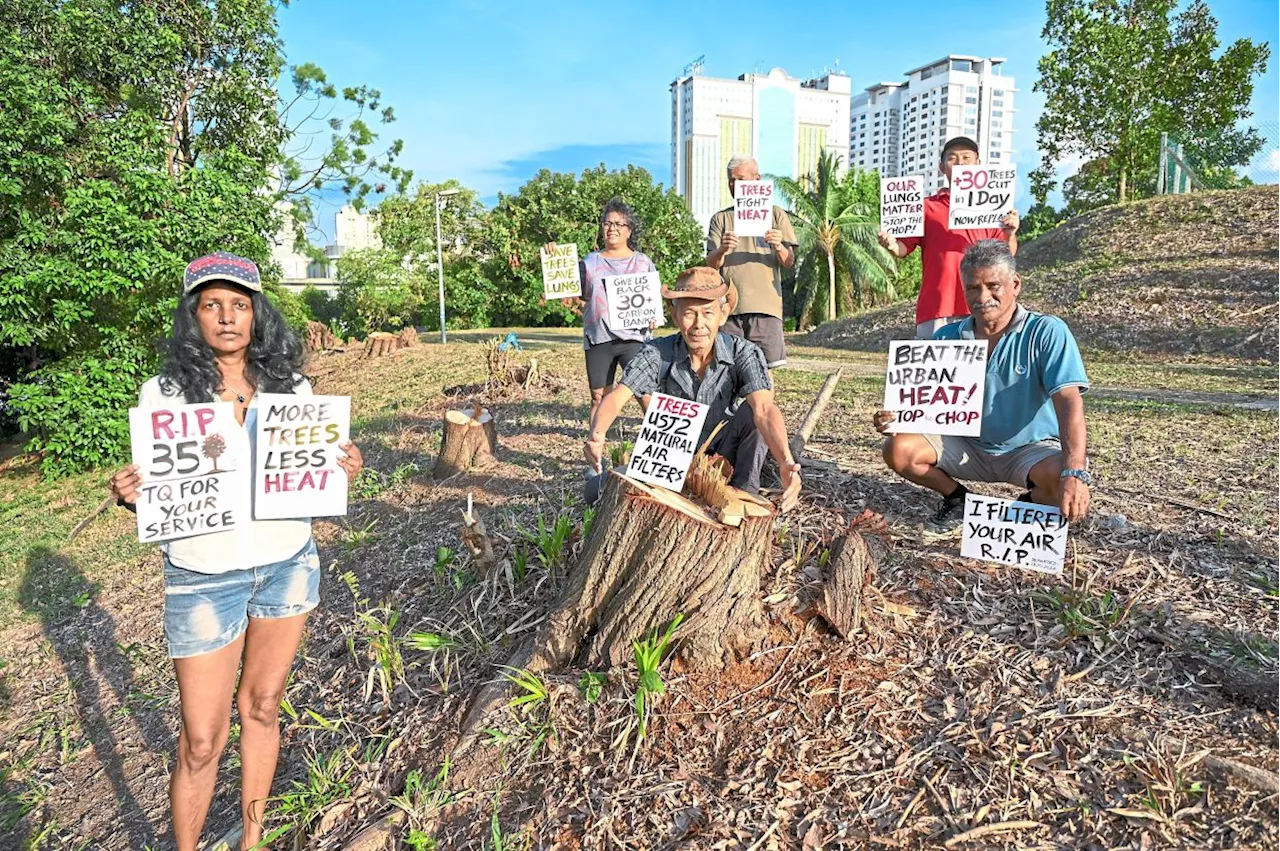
column 763, row 330
column 962, row 458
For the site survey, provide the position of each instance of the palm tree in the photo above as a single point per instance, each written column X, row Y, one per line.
column 836, row 228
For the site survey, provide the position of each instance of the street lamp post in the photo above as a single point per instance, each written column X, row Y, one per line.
column 444, row 193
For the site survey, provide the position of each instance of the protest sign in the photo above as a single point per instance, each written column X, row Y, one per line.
column 752, row 207
column 634, row 300
column 192, row 472
column 1019, row 533
column 296, row 472
column 902, row 205
column 980, row 196
column 667, row 441
column 560, row 272
column 936, row 386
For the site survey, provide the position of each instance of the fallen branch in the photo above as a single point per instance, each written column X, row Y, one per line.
column 986, row 829
column 93, row 515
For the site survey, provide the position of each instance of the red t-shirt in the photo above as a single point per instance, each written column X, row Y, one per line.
column 941, row 291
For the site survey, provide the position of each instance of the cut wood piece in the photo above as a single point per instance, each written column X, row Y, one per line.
column 468, row 439
column 810, row 421
column 855, row 556
column 653, row 554
column 320, row 338
column 380, row 343
column 476, row 538
column 407, row 338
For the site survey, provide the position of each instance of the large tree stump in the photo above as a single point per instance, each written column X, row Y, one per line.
column 320, row 338
column 380, row 343
column 407, row 338
column 469, row 439
column 653, row 554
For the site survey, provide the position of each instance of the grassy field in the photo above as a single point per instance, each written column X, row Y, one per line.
column 1091, row 710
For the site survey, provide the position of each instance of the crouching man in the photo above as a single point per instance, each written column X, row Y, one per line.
column 1033, row 429
column 703, row 365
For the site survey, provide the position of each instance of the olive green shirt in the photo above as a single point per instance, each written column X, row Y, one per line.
column 753, row 266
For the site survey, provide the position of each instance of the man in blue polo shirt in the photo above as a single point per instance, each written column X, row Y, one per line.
column 1033, row 429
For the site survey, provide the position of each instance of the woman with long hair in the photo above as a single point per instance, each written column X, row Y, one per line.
column 609, row 349
column 237, row 600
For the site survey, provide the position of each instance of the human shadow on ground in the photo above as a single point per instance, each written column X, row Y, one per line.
column 85, row 642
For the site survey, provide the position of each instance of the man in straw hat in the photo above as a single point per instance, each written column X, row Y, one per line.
column 703, row 365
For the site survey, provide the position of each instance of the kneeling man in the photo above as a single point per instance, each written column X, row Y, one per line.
column 1033, row 430
column 703, row 365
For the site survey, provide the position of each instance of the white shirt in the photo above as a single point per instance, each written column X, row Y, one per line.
column 252, row 543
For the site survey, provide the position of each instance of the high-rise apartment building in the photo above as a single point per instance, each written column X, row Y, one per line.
column 354, row 230
column 783, row 122
column 900, row 128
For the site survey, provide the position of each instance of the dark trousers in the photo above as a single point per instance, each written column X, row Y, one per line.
column 745, row 448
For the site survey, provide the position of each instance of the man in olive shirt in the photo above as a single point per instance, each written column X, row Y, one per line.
column 754, row 265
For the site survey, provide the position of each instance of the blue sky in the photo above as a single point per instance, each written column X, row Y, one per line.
column 490, row 92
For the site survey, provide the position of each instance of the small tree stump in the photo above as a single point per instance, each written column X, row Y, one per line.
column 320, row 338
column 653, row 554
column 855, row 556
column 469, row 439
column 407, row 338
column 380, row 343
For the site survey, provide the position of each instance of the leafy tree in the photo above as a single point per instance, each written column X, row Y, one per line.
column 377, row 292
column 1121, row 72
column 836, row 227
column 213, row 447
column 133, row 138
column 1040, row 218
column 563, row 208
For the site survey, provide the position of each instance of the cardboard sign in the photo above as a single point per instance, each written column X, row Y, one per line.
column 1018, row 533
column 936, row 386
column 980, row 196
column 192, row 476
column 667, row 441
column 902, row 205
column 296, row 472
column 752, row 207
column 560, row 272
column 634, row 300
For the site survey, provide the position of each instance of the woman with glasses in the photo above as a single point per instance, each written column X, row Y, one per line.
column 609, row 349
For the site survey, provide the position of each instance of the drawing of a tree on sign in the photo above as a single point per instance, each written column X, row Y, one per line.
column 214, row 445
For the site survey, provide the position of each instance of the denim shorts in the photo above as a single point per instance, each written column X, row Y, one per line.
column 204, row 612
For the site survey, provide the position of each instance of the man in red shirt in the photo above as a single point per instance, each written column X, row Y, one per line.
column 941, row 300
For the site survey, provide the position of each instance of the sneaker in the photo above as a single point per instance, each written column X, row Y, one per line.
column 950, row 514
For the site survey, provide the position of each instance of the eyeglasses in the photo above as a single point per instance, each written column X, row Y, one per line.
column 616, row 225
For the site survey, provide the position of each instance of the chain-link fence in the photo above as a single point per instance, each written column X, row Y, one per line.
column 1180, row 170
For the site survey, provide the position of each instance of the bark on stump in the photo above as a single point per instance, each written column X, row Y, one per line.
column 653, row 554
column 469, row 439
column 320, row 338
column 380, row 343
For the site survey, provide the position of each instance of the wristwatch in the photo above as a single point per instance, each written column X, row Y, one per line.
column 1083, row 475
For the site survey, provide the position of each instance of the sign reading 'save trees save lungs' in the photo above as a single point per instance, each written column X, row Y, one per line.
column 560, row 272
column 192, row 475
column 296, row 472
column 752, row 207
column 902, row 205
column 634, row 301
column 936, row 386
column 667, row 441
column 980, row 196
column 1018, row 533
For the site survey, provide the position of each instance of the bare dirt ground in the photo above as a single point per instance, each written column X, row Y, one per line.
column 983, row 707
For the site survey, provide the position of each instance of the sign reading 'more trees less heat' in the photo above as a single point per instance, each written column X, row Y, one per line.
column 936, row 386
column 192, row 474
column 980, row 196
column 296, row 467
column 667, row 441
column 902, row 205
column 752, row 207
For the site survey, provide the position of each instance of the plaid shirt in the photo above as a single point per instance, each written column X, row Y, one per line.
column 737, row 370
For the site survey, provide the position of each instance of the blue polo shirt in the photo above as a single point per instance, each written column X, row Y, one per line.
column 1036, row 357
